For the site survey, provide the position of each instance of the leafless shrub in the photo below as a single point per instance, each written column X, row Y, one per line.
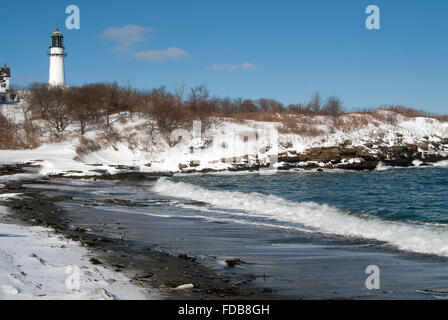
column 333, row 107
column 316, row 103
column 110, row 136
column 270, row 105
column 350, row 123
column 390, row 117
column 87, row 146
column 49, row 103
column 31, row 134
column 300, row 109
column 9, row 138
column 167, row 113
column 85, row 105
column 131, row 140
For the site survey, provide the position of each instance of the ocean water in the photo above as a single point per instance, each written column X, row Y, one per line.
column 305, row 234
column 403, row 208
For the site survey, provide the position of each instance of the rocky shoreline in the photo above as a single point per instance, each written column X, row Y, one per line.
column 366, row 158
column 147, row 267
column 345, row 156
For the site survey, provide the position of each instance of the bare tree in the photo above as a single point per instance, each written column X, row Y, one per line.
column 49, row 103
column 248, row 106
column 110, row 100
column 333, row 106
column 200, row 103
column 164, row 111
column 315, row 103
column 84, row 103
column 270, row 105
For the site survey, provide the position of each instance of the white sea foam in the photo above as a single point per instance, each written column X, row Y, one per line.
column 419, row 238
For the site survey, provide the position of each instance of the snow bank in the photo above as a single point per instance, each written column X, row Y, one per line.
column 226, row 142
column 35, row 266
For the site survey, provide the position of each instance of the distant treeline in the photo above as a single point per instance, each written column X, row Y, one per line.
column 97, row 102
column 94, row 105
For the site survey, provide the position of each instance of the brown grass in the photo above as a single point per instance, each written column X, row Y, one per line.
column 263, row 116
column 293, row 126
column 351, row 122
column 405, row 111
column 442, row 118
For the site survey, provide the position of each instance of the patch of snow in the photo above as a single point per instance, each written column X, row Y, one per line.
column 9, row 195
column 352, row 161
column 34, row 266
column 417, row 163
column 441, row 164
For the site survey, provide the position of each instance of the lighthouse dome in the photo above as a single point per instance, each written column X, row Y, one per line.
column 57, row 33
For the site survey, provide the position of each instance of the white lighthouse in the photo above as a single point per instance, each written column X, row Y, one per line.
column 57, row 55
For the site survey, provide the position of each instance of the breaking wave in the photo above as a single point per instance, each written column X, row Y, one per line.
column 419, row 238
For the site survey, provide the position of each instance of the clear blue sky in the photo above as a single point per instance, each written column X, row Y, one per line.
column 278, row 49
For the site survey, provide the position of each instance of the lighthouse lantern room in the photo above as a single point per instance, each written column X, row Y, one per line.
column 57, row 55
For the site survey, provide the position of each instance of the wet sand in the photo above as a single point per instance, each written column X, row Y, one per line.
column 144, row 264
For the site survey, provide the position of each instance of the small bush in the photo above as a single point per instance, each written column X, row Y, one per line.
column 9, row 137
column 350, row 123
column 87, row 146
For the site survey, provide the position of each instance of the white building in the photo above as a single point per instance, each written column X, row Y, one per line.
column 57, row 55
column 5, row 76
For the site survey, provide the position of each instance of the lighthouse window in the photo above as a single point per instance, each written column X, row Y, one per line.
column 56, row 42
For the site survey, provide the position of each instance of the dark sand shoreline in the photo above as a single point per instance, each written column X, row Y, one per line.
column 147, row 267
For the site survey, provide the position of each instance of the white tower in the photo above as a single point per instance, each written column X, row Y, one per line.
column 57, row 55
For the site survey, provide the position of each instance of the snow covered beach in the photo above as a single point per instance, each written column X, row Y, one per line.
column 37, row 263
